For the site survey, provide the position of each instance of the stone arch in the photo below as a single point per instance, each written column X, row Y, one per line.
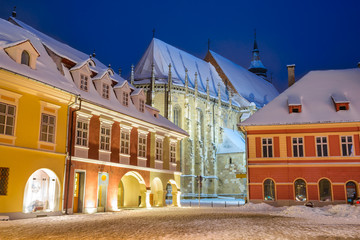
column 42, row 192
column 157, row 193
column 175, row 193
column 132, row 191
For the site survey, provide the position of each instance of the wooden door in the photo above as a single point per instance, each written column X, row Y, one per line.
column 76, row 193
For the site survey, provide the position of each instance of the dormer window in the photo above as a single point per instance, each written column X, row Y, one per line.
column 84, row 82
column 105, row 90
column 141, row 105
column 25, row 58
column 294, row 104
column 125, row 99
column 340, row 101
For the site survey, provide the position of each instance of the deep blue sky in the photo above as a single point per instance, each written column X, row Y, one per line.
column 311, row 34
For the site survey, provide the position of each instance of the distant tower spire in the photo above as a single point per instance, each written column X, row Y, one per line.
column 13, row 14
column 132, row 75
column 94, row 54
column 208, row 44
column 120, row 71
column 256, row 66
column 153, row 32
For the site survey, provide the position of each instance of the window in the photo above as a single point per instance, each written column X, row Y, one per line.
column 200, row 122
column 300, row 190
column 295, row 109
column 25, row 58
column 7, row 119
column 267, row 147
column 83, row 82
column 82, row 133
column 125, row 98
column 142, row 146
column 125, row 142
column 346, row 145
column 298, row 147
column 47, row 133
column 325, row 190
column 321, row 146
column 105, row 134
column 173, row 152
column 159, row 150
column 177, row 116
column 4, row 179
column 142, row 105
column 269, row 190
column 105, row 91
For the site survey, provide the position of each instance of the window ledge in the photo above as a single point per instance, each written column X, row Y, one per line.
column 142, row 158
column 124, row 155
column 46, row 146
column 158, row 161
column 82, row 147
column 173, row 163
column 7, row 139
column 104, row 151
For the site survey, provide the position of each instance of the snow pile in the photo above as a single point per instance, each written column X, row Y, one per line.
column 260, row 207
column 348, row 211
column 304, row 212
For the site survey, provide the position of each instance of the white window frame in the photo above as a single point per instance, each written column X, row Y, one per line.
column 6, row 116
column 322, row 144
column 105, row 90
column 349, row 150
column 82, row 130
column 48, row 125
column 173, row 152
column 84, row 82
column 125, row 100
column 123, row 147
column 298, row 146
column 104, row 136
column 142, row 145
column 141, row 105
column 159, row 148
column 267, row 146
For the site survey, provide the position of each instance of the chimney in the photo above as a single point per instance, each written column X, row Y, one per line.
column 291, row 74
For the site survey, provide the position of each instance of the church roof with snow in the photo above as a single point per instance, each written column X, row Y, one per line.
column 47, row 71
column 163, row 54
column 317, row 93
column 233, row 142
column 252, row 87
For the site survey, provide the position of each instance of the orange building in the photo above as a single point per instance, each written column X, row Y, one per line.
column 304, row 145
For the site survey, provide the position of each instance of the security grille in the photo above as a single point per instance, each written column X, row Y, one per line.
column 4, row 177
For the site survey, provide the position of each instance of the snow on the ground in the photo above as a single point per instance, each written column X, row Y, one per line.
column 249, row 221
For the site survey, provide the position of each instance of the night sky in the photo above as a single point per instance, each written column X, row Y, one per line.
column 311, row 34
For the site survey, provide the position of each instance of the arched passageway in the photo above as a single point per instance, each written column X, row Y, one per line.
column 42, row 192
column 157, row 193
column 132, row 191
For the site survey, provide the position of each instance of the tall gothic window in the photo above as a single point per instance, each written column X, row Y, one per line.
column 300, row 190
column 177, row 116
column 200, row 121
column 25, row 58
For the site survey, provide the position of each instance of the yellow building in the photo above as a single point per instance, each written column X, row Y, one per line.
column 33, row 123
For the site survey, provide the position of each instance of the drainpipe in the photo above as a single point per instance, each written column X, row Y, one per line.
column 247, row 165
column 69, row 149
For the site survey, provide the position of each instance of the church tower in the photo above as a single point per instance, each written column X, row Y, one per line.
column 256, row 65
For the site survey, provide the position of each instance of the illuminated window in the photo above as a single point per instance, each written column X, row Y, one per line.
column 25, row 58
column 125, row 99
column 7, row 119
column 105, row 91
column 173, row 152
column 125, row 142
column 321, row 146
column 298, row 147
column 142, row 146
column 325, row 190
column 267, row 147
column 347, row 145
column 159, row 149
column 82, row 131
column 269, row 190
column 47, row 133
column 83, row 82
column 300, row 190
column 105, row 135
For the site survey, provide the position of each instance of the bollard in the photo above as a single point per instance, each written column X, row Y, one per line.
column 190, row 203
column 225, row 203
column 212, row 204
column 238, row 204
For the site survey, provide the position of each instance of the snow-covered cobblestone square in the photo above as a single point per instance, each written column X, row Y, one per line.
column 245, row 222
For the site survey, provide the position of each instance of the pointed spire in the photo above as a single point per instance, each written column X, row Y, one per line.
column 153, row 31
column 255, row 43
column 256, row 66
column 119, row 71
column 109, row 65
column 94, row 54
column 152, row 88
column 196, row 82
column 208, row 44
column 13, row 14
column 132, row 75
column 207, row 90
column 169, row 78
column 186, row 81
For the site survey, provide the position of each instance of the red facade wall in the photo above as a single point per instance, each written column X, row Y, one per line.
column 276, row 147
column 258, row 147
column 94, row 136
column 334, row 145
column 356, row 144
column 133, row 146
column 288, row 146
column 310, row 150
column 115, row 142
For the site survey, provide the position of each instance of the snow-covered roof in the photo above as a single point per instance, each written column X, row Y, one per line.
column 316, row 90
column 163, row 54
column 233, row 142
column 46, row 70
column 294, row 100
column 252, row 87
